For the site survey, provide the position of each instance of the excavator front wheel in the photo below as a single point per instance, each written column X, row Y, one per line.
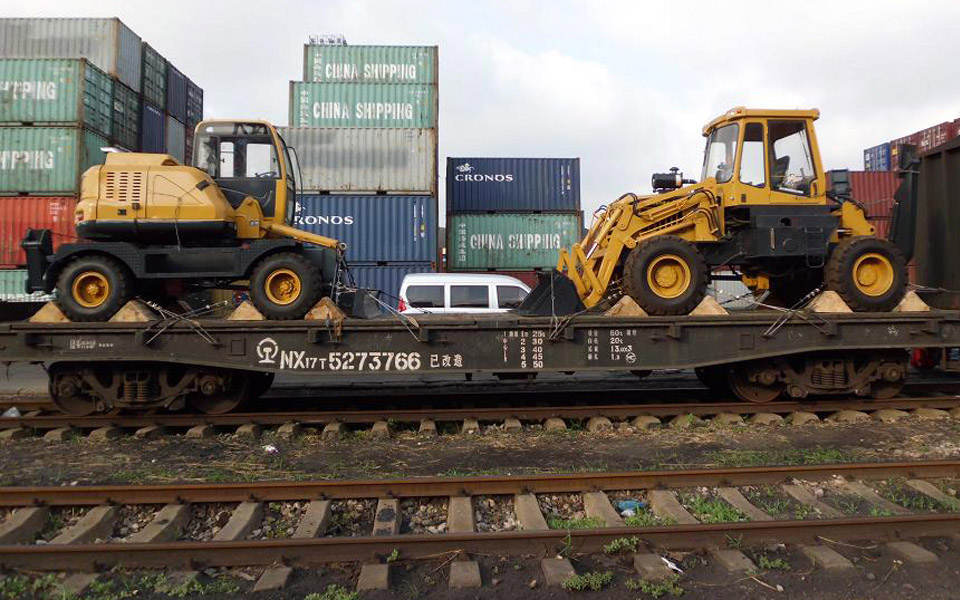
column 285, row 286
column 666, row 275
column 93, row 288
column 869, row 273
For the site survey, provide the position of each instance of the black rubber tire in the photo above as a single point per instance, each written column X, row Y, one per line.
column 839, row 274
column 117, row 275
column 311, row 286
column 635, row 276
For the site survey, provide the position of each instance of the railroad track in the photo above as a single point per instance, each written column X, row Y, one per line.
column 801, row 506
column 380, row 422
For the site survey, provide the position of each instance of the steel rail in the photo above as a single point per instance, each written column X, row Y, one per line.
column 268, row 491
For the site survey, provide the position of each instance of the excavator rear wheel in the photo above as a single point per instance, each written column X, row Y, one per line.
column 285, row 286
column 93, row 288
column 665, row 275
column 869, row 273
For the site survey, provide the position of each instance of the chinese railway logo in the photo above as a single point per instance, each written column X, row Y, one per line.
column 267, row 351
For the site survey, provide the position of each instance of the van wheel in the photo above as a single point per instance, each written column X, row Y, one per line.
column 285, row 286
column 93, row 288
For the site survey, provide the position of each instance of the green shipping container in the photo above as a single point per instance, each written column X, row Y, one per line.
column 369, row 64
column 374, row 105
column 154, row 73
column 55, row 90
column 126, row 117
column 47, row 161
column 13, row 286
column 509, row 241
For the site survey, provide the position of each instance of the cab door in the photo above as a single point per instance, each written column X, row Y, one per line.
column 751, row 186
column 795, row 177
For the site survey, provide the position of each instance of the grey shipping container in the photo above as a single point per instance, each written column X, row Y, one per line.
column 47, row 160
column 374, row 228
column 513, row 185
column 877, row 158
column 369, row 64
column 175, row 139
column 176, row 93
column 126, row 117
column 395, row 105
column 154, row 72
column 55, row 90
column 505, row 241
column 386, row 277
column 194, row 105
column 366, row 160
column 152, row 129
column 109, row 44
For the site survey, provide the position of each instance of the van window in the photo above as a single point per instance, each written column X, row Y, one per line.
column 425, row 296
column 469, row 296
column 510, row 296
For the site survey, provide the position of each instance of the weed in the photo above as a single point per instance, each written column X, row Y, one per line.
column 14, row 587
column 333, row 592
column 622, row 545
column 769, row 500
column 393, row 556
column 735, row 542
column 765, row 563
column 648, row 519
column 555, row 522
column 897, row 491
column 712, row 510
column 195, row 587
column 876, row 511
column 593, row 580
column 802, row 512
column 850, row 505
column 790, row 456
column 667, row 587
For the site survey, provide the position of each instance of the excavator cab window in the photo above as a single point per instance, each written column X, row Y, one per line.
column 721, row 153
column 242, row 159
column 790, row 158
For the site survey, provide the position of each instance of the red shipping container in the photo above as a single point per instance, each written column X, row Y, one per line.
column 19, row 213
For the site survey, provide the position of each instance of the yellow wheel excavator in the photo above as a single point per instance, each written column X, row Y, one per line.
column 761, row 210
column 152, row 227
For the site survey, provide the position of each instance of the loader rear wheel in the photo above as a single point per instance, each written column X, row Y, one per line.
column 666, row 275
column 93, row 288
column 869, row 274
column 285, row 286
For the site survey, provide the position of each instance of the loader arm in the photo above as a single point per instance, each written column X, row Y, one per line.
column 301, row 236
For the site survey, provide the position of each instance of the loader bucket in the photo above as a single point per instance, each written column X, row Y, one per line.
column 555, row 295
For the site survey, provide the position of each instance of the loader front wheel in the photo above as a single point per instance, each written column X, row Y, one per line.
column 93, row 288
column 666, row 275
column 285, row 286
column 869, row 273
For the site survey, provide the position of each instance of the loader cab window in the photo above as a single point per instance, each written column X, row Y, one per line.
column 721, row 153
column 293, row 171
column 242, row 159
column 752, row 170
column 791, row 163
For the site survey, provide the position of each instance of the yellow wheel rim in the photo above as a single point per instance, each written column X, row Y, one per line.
column 873, row 274
column 668, row 276
column 90, row 289
column 282, row 286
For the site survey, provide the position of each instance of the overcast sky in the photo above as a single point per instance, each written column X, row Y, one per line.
column 626, row 85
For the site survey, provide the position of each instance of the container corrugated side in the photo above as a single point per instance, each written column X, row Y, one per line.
column 57, row 90
column 176, row 93
column 938, row 220
column 513, row 184
column 126, row 118
column 731, row 294
column 386, row 277
column 366, row 160
column 153, row 129
column 877, row 158
column 47, row 160
column 175, row 138
column 374, row 228
column 13, row 287
column 369, row 64
column 109, row 44
column 154, row 87
column 396, row 105
column 194, row 104
column 925, row 139
column 484, row 242
column 19, row 213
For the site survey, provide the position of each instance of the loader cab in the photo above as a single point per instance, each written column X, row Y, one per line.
column 763, row 157
column 248, row 158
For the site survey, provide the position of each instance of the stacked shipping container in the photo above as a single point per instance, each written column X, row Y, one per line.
column 68, row 89
column 511, row 215
column 364, row 125
column 884, row 157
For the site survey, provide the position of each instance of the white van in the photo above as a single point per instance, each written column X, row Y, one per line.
column 444, row 293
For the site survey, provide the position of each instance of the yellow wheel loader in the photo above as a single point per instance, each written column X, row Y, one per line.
column 762, row 210
column 152, row 227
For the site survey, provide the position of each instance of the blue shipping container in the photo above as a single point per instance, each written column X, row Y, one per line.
column 176, row 93
column 386, row 277
column 877, row 158
column 374, row 228
column 513, row 185
column 152, row 129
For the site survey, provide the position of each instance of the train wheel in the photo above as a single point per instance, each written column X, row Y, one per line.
column 285, row 286
column 221, row 394
column 67, row 393
column 868, row 273
column 755, row 384
column 93, row 288
column 666, row 275
column 893, row 377
column 715, row 378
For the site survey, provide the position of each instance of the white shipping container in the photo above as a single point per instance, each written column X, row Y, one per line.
column 107, row 43
column 176, row 139
column 403, row 161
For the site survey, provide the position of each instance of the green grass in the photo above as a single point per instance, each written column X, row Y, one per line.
column 876, row 511
column 622, row 545
column 45, row 587
column 769, row 499
column 711, row 510
column 333, row 592
column 648, row 519
column 555, row 522
column 765, row 563
column 849, row 505
column 898, row 492
column 668, row 587
column 594, row 580
column 789, row 456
